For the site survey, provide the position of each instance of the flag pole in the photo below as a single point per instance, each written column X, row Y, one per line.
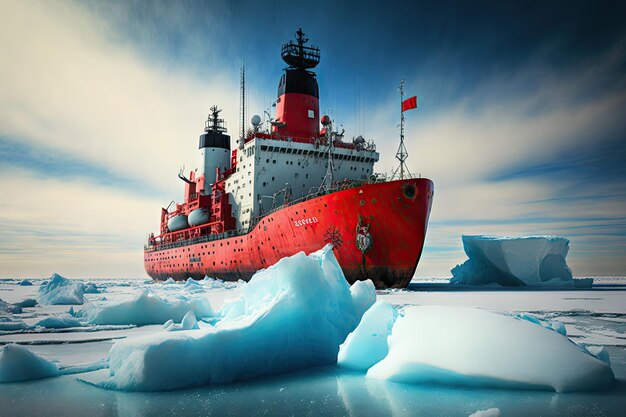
column 402, row 153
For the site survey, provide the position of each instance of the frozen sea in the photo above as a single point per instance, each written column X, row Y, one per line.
column 595, row 316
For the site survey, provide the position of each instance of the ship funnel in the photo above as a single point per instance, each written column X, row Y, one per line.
column 214, row 148
column 297, row 104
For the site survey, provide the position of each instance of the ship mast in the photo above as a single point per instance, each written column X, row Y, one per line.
column 329, row 178
column 242, row 107
column 401, row 154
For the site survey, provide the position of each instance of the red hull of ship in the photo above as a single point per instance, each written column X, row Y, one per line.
column 377, row 232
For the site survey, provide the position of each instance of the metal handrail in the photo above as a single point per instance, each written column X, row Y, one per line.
column 314, row 192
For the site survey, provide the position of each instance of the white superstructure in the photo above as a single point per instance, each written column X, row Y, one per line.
column 268, row 168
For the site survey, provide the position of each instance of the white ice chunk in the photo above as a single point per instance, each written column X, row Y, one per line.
column 29, row 302
column 13, row 309
column 19, row 364
column 62, row 321
column 91, row 288
column 464, row 346
column 363, row 294
column 490, row 412
column 555, row 325
column 9, row 324
column 146, row 308
column 189, row 322
column 192, row 282
column 515, row 261
column 599, row 352
column 59, row 290
column 293, row 315
column 367, row 344
column 193, row 286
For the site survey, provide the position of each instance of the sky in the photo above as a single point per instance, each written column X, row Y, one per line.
column 521, row 118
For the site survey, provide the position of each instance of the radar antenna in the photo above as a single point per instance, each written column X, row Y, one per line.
column 213, row 122
column 401, row 155
column 298, row 55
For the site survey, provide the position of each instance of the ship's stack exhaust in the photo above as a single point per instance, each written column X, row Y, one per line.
column 297, row 105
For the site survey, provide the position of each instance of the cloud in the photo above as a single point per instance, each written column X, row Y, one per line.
column 68, row 84
column 72, row 227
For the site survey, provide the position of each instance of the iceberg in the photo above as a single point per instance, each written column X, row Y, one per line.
column 91, row 288
column 25, row 282
column 514, row 261
column 146, row 308
column 290, row 316
column 472, row 347
column 19, row 364
column 62, row 321
column 58, row 290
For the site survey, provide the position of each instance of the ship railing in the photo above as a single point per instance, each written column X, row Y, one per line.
column 314, row 192
column 407, row 176
column 201, row 239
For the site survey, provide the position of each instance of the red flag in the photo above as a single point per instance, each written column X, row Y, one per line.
column 409, row 103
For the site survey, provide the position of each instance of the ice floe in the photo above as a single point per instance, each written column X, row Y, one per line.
column 9, row 324
column 144, row 308
column 290, row 316
column 19, row 364
column 472, row 347
column 27, row 303
column 516, row 261
column 62, row 321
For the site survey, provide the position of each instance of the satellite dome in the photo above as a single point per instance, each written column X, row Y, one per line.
column 256, row 120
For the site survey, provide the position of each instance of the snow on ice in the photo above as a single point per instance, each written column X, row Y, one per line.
column 472, row 347
column 59, row 290
column 146, row 308
column 19, row 364
column 515, row 261
column 290, row 316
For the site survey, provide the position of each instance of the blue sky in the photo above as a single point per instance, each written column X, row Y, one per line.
column 520, row 121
